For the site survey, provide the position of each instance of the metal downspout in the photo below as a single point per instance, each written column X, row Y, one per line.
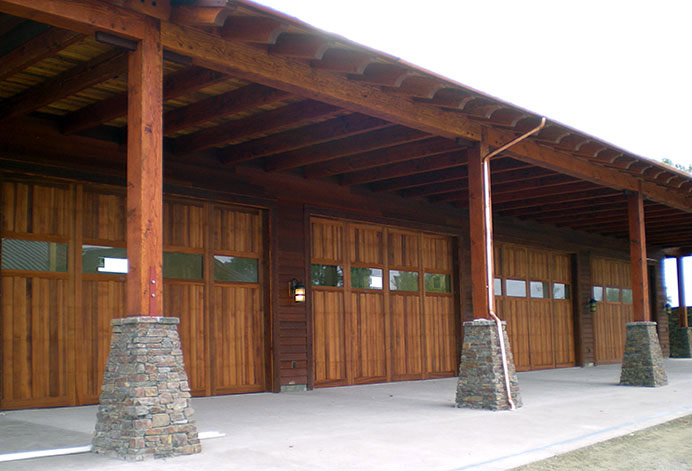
column 489, row 254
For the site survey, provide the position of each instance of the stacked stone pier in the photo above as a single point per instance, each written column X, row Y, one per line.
column 145, row 409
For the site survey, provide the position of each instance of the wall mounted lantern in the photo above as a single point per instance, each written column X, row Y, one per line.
column 297, row 290
column 592, row 305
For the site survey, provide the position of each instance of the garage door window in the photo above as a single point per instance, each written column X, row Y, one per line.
column 327, row 275
column 366, row 278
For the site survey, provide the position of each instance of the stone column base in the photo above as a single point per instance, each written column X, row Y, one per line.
column 144, row 408
column 642, row 364
column 481, row 382
column 681, row 342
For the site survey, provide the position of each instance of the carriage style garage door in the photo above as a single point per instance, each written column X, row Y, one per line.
column 64, row 266
column 382, row 304
column 612, row 289
column 533, row 291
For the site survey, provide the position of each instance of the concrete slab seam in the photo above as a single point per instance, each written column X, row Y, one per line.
column 577, row 438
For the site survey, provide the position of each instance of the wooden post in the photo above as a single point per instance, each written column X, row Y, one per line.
column 144, row 175
column 480, row 232
column 640, row 279
column 682, row 303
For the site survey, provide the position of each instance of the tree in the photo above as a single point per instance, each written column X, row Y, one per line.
column 687, row 169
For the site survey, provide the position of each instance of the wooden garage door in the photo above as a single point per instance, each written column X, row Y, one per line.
column 64, row 269
column 533, row 294
column 612, row 289
column 37, row 310
column 382, row 302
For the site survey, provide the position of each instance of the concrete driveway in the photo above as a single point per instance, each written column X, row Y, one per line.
column 395, row 426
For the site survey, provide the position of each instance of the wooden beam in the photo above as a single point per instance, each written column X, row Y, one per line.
column 542, row 156
column 253, row 29
column 247, row 62
column 410, row 180
column 35, row 50
column 145, row 176
column 174, row 85
column 560, row 208
column 83, row 16
column 101, row 68
column 519, row 202
column 221, row 106
column 376, row 158
column 301, row 46
column 500, row 183
column 289, row 116
column 200, row 16
column 8, row 23
column 424, row 165
column 336, row 128
column 332, row 150
column 511, row 193
column 640, row 277
column 481, row 224
column 346, row 61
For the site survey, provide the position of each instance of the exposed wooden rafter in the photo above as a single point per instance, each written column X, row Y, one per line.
column 104, row 67
column 289, row 116
column 333, row 150
column 174, row 85
column 336, row 128
column 35, row 50
column 378, row 158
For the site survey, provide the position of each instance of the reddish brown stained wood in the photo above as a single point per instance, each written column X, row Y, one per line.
column 388, row 75
column 449, row 98
column 145, row 177
column 288, row 116
column 418, row 86
column 35, row 50
column 200, row 16
column 8, row 23
column 404, row 169
column 336, row 128
column 481, row 222
column 682, row 304
column 99, row 69
column 377, row 158
column 411, row 181
column 84, row 16
column 640, row 278
column 301, row 46
column 332, row 150
column 344, row 60
column 174, row 85
column 221, row 106
column 253, row 29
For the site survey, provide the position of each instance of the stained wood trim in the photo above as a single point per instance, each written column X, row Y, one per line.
column 479, row 174
column 307, row 250
column 84, row 16
column 640, row 279
column 145, row 176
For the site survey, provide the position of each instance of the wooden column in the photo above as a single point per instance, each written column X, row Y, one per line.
column 682, row 303
column 480, row 232
column 640, row 279
column 144, row 175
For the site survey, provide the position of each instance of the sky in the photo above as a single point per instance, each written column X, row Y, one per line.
column 618, row 70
